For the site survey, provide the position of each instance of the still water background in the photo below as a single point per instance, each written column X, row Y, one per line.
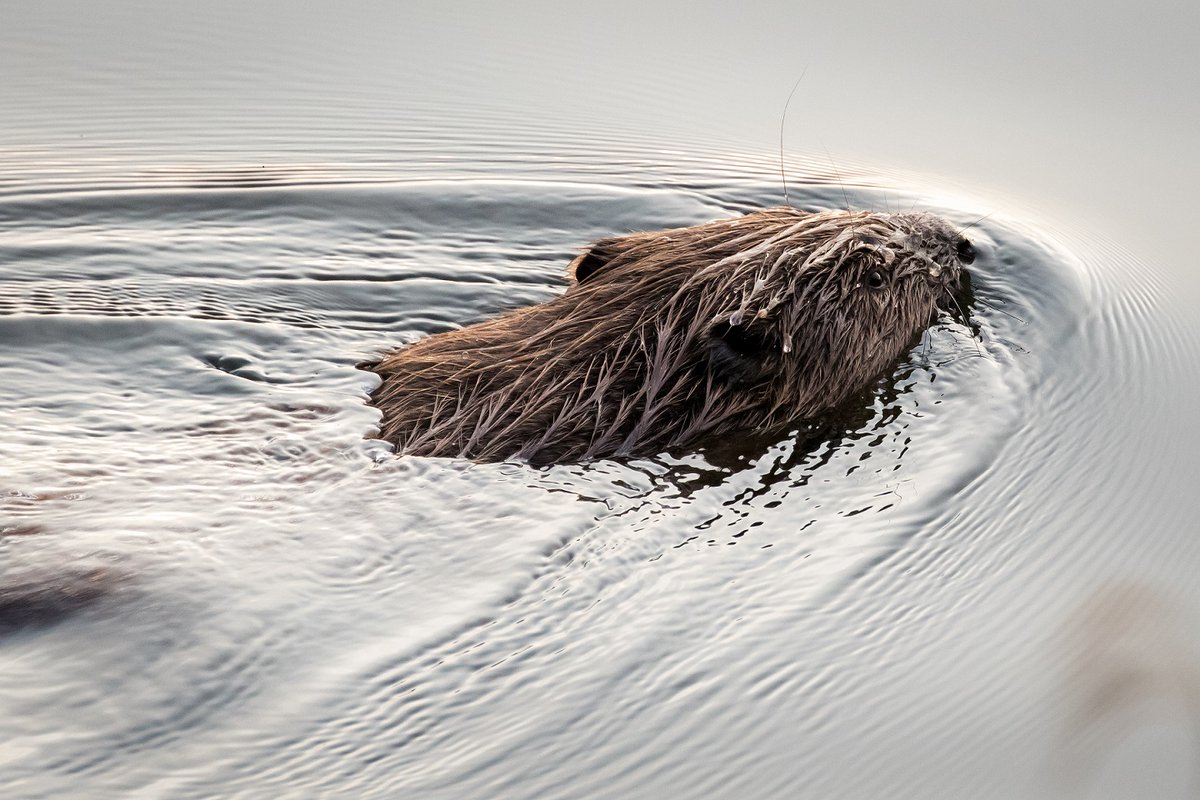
column 212, row 584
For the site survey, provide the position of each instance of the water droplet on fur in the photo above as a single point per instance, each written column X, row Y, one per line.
column 736, row 317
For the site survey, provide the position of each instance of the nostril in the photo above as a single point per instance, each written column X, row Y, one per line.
column 966, row 250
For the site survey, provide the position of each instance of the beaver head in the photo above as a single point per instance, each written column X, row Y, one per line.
column 667, row 337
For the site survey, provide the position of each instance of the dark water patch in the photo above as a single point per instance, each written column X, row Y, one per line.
column 40, row 598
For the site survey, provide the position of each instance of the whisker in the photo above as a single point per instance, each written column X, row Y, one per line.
column 956, row 359
column 838, row 173
column 976, row 222
column 995, row 307
column 782, row 122
column 966, row 319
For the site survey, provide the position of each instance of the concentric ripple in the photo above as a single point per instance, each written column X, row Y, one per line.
column 229, row 586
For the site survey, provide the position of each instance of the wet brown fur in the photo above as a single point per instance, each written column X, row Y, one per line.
column 667, row 337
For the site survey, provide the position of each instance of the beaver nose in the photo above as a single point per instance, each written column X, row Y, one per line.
column 965, row 250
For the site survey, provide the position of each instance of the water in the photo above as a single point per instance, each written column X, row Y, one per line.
column 213, row 584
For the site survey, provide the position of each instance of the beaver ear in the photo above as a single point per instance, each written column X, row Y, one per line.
column 737, row 354
column 587, row 264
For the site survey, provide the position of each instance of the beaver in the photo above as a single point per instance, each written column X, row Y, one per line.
column 665, row 338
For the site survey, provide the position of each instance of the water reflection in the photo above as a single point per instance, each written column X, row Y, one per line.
column 40, row 586
column 1133, row 667
column 43, row 596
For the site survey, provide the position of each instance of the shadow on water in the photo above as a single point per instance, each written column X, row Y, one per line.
column 41, row 598
column 46, row 594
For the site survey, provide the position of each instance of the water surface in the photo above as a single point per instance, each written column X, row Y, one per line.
column 213, row 583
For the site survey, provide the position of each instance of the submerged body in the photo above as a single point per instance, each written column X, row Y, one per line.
column 668, row 337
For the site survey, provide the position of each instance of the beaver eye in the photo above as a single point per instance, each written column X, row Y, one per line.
column 966, row 250
column 874, row 279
